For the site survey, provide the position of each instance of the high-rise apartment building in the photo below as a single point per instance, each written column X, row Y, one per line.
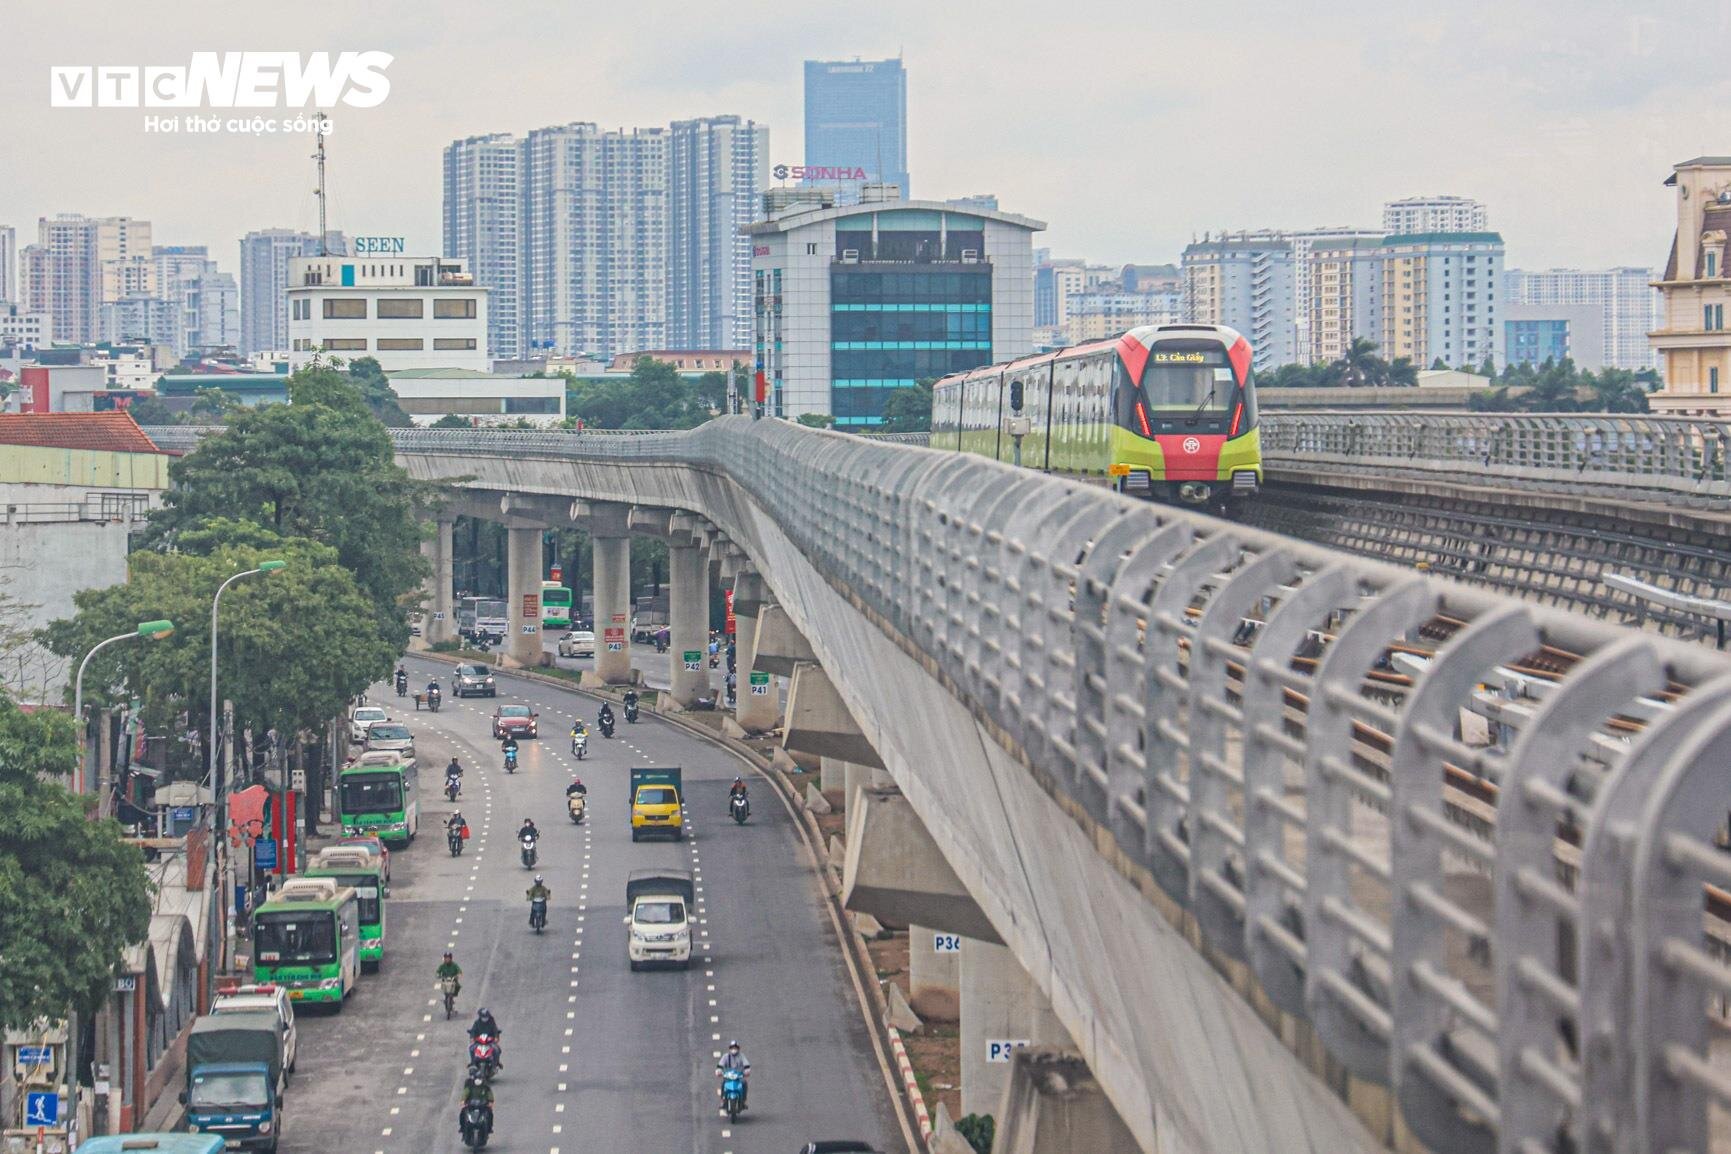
column 1439, row 297
column 483, row 207
column 1341, row 295
column 205, row 301
column 717, row 167
column 594, row 223
column 1628, row 303
column 856, row 117
column 1692, row 338
column 1425, row 214
column 8, row 264
column 1246, row 280
column 264, row 281
column 77, row 264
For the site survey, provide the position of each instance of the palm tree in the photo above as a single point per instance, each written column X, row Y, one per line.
column 1361, row 364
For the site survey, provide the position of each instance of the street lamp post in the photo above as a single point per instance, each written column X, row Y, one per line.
column 146, row 629
column 211, row 776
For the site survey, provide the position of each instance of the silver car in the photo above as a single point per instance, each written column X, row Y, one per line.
column 390, row 737
column 577, row 643
column 471, row 681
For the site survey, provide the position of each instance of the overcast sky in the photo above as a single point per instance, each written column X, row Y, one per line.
column 1128, row 125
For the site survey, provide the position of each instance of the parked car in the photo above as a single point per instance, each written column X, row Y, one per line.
column 390, row 737
column 265, row 996
column 473, row 681
column 577, row 643
column 361, row 719
column 515, row 719
column 373, row 846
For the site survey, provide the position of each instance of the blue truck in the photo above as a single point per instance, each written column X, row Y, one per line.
column 235, row 1078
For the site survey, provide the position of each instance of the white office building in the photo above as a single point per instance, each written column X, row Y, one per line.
column 479, row 397
column 23, row 329
column 264, row 279
column 1629, row 308
column 1421, row 214
column 717, row 167
column 405, row 312
column 854, row 302
column 483, row 228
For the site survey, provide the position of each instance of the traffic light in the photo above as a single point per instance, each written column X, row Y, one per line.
column 1015, row 396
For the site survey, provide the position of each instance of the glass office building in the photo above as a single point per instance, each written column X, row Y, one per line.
column 856, row 116
column 855, row 302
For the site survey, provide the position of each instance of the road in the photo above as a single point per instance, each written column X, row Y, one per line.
column 596, row 1058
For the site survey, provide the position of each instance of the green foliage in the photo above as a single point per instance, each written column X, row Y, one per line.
column 73, row 895
column 1560, row 387
column 153, row 411
column 653, row 396
column 369, row 377
column 319, row 467
column 452, row 421
column 979, row 1130
column 816, row 420
column 908, row 410
column 294, row 645
column 711, row 390
column 1359, row 368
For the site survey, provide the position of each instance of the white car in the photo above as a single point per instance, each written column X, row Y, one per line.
column 578, row 643
column 361, row 720
column 263, row 997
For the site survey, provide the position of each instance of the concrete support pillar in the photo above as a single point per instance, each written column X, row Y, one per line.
column 612, row 607
column 856, row 777
column 523, row 596
column 758, row 699
column 439, row 622
column 1055, row 1105
column 934, row 973
column 1002, row 1009
column 688, row 620
column 832, row 774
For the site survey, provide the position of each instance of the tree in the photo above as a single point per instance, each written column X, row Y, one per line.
column 452, row 421
column 653, row 396
column 294, row 645
column 153, row 411
column 908, row 410
column 1362, row 366
column 711, row 391
column 376, row 391
column 816, row 420
column 320, row 467
column 73, row 895
column 1402, row 371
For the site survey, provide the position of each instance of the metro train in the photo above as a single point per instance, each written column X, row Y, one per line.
column 1167, row 410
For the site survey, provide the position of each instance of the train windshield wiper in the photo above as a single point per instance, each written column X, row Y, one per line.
column 1206, row 401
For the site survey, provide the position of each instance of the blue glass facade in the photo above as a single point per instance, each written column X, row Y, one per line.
column 893, row 325
column 1533, row 342
column 856, row 116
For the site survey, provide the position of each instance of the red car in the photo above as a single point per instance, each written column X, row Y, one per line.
column 514, row 719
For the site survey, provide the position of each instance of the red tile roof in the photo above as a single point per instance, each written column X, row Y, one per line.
column 105, row 432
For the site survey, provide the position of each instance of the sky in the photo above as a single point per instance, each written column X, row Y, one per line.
column 1129, row 126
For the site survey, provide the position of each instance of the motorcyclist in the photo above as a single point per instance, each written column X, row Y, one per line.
column 450, row 969
column 433, row 689
column 538, row 893
column 576, row 787
column 476, row 1092
column 578, row 729
column 734, row 1059
column 456, row 824
column 402, row 681
column 630, row 698
column 527, row 829
column 484, row 1024
column 509, row 745
column 737, row 789
column 605, row 717
column 455, row 769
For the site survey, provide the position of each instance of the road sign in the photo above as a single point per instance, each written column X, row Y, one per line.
column 693, row 660
column 185, row 813
column 759, row 684
column 126, row 983
column 438, row 615
column 732, row 625
column 531, row 628
column 946, row 943
column 41, row 1108
column 1000, row 1049
column 35, row 1055
column 264, row 853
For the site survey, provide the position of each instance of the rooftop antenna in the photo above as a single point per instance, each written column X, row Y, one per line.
column 319, row 130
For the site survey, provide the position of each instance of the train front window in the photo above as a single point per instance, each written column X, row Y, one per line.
column 1185, row 391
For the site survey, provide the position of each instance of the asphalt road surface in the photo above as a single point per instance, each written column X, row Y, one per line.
column 597, row 1058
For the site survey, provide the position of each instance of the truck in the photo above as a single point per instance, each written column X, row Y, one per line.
column 655, row 797
column 649, row 616
column 658, row 906
column 235, row 1071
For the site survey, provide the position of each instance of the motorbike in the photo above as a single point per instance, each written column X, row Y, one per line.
column 510, row 761
column 606, row 728
column 732, row 1093
column 529, row 855
column 448, row 987
column 453, row 786
column 454, row 837
column 433, row 699
column 580, row 746
column 631, row 713
column 576, row 803
column 484, row 1056
column 538, row 914
column 739, row 808
column 475, row 1129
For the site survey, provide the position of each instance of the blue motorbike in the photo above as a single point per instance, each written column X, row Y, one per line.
column 732, row 1093
column 510, row 761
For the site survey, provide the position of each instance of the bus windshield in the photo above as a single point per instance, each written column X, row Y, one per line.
column 295, row 937
column 372, row 793
column 366, row 886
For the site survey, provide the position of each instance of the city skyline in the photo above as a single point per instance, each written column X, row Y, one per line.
column 1536, row 108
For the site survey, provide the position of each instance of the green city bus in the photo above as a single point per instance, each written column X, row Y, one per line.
column 555, row 606
column 380, row 795
column 351, row 870
column 306, row 938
